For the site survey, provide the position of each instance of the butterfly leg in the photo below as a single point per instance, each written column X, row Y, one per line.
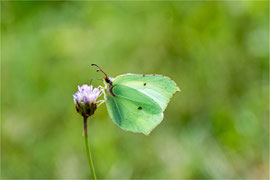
column 102, row 89
column 100, row 102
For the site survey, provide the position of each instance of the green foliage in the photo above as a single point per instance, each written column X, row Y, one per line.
column 216, row 52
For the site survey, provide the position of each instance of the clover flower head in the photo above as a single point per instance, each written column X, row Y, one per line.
column 86, row 100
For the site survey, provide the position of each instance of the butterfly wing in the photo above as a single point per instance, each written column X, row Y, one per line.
column 139, row 101
column 132, row 110
column 157, row 87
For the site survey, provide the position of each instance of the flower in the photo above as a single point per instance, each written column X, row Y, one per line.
column 86, row 100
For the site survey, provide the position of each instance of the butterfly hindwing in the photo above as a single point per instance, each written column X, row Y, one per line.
column 132, row 110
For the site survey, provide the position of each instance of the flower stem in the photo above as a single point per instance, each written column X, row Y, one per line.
column 90, row 161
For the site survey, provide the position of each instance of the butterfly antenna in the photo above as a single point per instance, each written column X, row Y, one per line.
column 99, row 69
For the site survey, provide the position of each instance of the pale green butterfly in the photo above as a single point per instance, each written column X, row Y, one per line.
column 136, row 102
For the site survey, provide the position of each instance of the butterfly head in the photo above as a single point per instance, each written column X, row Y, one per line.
column 108, row 81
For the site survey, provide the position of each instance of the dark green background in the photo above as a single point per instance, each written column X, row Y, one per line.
column 217, row 52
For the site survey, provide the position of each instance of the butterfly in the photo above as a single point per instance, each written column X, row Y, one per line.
column 136, row 102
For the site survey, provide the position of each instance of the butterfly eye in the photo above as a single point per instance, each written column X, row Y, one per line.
column 144, row 84
column 107, row 80
column 140, row 108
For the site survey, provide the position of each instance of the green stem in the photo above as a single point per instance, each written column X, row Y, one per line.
column 90, row 161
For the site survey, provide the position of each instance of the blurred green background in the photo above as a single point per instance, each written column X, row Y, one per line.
column 217, row 52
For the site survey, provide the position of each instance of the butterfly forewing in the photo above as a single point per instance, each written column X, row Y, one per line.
column 157, row 87
column 138, row 98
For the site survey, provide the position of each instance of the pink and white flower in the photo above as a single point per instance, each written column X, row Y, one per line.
column 86, row 100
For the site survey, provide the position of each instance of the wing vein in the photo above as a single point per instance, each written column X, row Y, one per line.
column 118, row 109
